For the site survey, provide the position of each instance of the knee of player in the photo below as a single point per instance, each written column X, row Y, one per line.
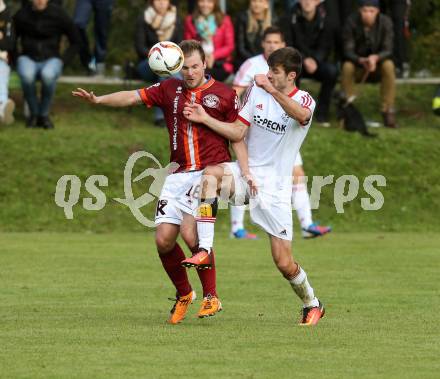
column 164, row 243
column 284, row 266
column 215, row 172
column 212, row 178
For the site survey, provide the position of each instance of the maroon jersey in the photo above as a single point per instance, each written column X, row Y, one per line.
column 193, row 146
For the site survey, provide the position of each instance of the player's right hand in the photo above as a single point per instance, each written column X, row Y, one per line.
column 195, row 113
column 262, row 81
column 253, row 186
column 88, row 96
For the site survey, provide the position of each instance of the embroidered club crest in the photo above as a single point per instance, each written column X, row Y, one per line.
column 211, row 101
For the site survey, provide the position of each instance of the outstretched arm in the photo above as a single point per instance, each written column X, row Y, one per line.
column 233, row 131
column 115, row 99
column 291, row 107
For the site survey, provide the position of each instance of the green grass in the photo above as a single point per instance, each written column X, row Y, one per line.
column 89, row 141
column 94, row 306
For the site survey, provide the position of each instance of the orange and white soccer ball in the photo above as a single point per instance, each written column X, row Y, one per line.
column 165, row 58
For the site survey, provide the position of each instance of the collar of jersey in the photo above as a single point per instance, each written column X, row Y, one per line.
column 209, row 82
column 295, row 90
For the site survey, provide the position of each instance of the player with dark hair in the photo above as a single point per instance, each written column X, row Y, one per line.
column 273, row 40
column 193, row 147
column 278, row 116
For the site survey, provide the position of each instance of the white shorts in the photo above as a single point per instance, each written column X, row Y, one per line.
column 179, row 195
column 271, row 208
column 298, row 159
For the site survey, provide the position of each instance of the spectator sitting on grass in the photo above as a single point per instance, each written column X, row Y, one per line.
column 39, row 27
column 159, row 22
column 7, row 106
column 368, row 49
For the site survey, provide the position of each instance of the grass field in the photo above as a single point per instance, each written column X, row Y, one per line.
column 76, row 304
column 94, row 306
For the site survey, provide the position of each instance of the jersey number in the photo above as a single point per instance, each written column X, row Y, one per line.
column 160, row 206
column 194, row 192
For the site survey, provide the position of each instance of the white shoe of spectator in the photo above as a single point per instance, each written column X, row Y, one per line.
column 373, row 124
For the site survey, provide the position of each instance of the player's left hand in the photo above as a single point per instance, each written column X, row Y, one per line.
column 195, row 113
column 262, row 81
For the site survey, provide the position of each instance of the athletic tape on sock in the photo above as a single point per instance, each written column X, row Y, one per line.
column 207, row 210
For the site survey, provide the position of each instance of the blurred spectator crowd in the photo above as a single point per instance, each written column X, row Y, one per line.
column 350, row 40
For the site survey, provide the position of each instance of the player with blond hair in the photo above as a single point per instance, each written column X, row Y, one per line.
column 193, row 147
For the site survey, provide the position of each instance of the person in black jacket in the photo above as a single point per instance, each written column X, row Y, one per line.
column 39, row 28
column 249, row 28
column 308, row 30
column 368, row 50
column 102, row 12
column 159, row 22
column 399, row 11
column 337, row 12
column 7, row 106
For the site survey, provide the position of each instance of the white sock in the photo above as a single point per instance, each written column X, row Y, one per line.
column 303, row 289
column 205, row 230
column 237, row 217
column 205, row 219
column 301, row 203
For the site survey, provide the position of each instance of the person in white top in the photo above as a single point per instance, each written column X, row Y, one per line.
column 273, row 40
column 278, row 116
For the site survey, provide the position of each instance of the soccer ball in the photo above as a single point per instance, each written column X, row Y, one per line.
column 165, row 58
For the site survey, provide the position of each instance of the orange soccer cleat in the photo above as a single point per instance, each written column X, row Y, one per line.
column 200, row 260
column 181, row 305
column 311, row 315
column 210, row 306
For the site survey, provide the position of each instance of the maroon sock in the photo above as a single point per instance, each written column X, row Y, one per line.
column 171, row 263
column 208, row 278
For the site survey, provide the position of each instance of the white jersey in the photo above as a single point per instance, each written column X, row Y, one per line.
column 250, row 68
column 273, row 138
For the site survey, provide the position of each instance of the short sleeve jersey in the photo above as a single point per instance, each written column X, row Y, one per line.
column 250, row 68
column 193, row 146
column 273, row 138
